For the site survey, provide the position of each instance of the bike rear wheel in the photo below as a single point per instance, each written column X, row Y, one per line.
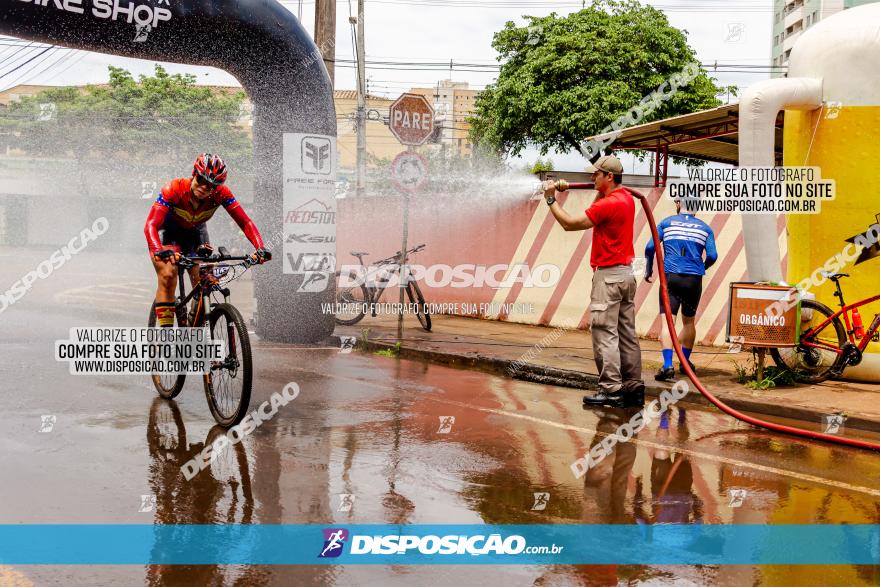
column 168, row 385
column 352, row 298
column 415, row 297
column 811, row 364
column 228, row 384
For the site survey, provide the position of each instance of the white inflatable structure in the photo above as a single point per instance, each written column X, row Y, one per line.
column 831, row 100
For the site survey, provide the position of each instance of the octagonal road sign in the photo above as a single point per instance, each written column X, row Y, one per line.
column 411, row 119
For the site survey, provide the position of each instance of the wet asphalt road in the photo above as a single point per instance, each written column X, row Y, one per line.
column 370, row 426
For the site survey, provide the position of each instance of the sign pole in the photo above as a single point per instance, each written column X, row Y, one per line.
column 403, row 267
column 411, row 120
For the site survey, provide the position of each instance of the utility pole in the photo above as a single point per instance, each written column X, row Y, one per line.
column 325, row 34
column 361, row 105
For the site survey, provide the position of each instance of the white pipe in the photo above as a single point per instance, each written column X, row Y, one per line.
column 758, row 110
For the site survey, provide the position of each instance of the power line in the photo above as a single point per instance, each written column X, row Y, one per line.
column 14, row 69
column 474, row 67
column 82, row 55
column 14, row 53
column 29, row 74
column 469, row 62
column 698, row 6
column 23, row 53
column 488, row 68
column 444, row 65
column 720, row 69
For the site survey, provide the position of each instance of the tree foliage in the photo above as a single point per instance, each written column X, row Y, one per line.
column 563, row 79
column 540, row 165
column 160, row 119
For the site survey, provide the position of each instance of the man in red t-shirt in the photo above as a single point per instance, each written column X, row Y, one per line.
column 612, row 308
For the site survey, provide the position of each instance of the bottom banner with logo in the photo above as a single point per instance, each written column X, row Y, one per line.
column 440, row 544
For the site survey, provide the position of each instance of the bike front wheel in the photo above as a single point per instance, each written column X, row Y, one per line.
column 228, row 384
column 415, row 297
column 812, row 364
column 168, row 385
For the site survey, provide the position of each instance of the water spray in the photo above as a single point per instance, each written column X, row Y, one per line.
column 563, row 185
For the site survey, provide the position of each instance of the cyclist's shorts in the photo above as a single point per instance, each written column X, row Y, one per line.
column 685, row 291
column 184, row 240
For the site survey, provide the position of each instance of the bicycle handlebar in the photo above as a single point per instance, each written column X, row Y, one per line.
column 188, row 262
column 396, row 257
column 412, row 250
column 217, row 259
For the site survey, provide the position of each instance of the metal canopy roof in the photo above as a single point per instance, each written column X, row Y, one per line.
column 709, row 135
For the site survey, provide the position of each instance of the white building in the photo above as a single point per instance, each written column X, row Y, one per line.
column 792, row 17
column 454, row 102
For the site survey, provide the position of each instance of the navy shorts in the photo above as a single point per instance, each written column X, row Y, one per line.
column 685, row 291
column 185, row 241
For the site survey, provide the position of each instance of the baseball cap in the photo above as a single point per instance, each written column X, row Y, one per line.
column 608, row 164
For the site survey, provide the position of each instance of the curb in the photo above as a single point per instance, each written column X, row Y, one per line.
column 577, row 380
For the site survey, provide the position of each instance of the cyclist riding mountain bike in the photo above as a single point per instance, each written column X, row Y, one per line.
column 177, row 221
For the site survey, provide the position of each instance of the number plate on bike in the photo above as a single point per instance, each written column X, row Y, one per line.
column 220, row 271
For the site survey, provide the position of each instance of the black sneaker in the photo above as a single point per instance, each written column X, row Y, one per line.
column 610, row 400
column 681, row 368
column 667, row 374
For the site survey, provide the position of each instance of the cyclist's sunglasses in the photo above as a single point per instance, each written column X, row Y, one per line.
column 204, row 182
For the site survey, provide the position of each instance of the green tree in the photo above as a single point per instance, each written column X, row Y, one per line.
column 727, row 92
column 563, row 79
column 540, row 165
column 158, row 119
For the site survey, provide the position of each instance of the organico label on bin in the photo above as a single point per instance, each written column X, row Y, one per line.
column 763, row 315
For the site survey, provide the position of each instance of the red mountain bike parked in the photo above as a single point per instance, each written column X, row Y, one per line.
column 828, row 345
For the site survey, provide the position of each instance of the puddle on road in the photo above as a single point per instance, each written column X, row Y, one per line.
column 420, row 457
column 364, row 445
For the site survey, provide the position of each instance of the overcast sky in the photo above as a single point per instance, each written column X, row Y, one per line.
column 726, row 31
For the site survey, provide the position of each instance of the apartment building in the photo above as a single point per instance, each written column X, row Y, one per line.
column 453, row 105
column 792, row 17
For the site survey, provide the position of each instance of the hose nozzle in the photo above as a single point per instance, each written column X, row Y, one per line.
column 563, row 185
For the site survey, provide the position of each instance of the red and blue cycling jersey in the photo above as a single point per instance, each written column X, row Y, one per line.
column 177, row 209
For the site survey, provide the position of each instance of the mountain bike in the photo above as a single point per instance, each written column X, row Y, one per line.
column 228, row 384
column 361, row 290
column 828, row 345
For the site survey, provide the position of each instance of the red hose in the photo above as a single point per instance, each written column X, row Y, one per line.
column 686, row 365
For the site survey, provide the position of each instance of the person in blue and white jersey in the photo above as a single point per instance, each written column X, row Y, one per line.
column 689, row 250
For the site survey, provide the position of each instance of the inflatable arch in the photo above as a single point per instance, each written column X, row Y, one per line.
column 266, row 48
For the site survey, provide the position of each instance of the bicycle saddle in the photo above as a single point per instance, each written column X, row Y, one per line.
column 833, row 276
column 358, row 255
